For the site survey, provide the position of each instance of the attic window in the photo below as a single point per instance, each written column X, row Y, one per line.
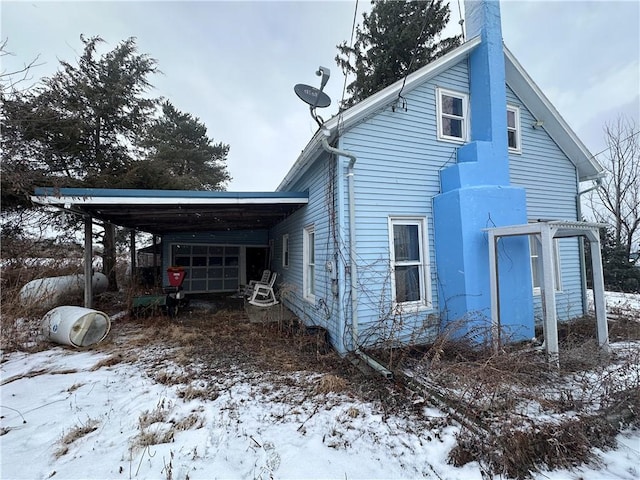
column 513, row 128
column 451, row 115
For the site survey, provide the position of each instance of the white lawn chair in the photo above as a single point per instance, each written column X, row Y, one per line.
column 248, row 289
column 263, row 295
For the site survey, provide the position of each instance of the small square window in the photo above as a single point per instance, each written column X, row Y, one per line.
column 452, row 115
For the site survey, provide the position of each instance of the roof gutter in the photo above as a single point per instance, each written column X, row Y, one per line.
column 352, row 254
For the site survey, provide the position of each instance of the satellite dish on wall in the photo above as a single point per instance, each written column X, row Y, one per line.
column 312, row 96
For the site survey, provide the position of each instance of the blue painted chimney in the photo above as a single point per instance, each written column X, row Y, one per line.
column 476, row 194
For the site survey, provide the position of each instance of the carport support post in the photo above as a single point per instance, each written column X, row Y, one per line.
column 88, row 261
column 132, row 241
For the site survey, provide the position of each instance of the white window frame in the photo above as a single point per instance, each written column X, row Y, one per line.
column 309, row 263
column 535, row 258
column 285, row 250
column 423, row 262
column 440, row 114
column 516, row 128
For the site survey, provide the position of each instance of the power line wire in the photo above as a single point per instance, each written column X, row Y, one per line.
column 609, row 148
column 413, row 55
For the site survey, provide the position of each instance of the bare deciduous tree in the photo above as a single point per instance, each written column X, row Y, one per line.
column 10, row 79
column 617, row 203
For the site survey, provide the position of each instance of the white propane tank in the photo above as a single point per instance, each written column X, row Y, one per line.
column 48, row 291
column 75, row 326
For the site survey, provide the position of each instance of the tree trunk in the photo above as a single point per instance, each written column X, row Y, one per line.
column 109, row 256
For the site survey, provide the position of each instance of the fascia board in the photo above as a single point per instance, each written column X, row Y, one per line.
column 146, row 193
column 62, row 200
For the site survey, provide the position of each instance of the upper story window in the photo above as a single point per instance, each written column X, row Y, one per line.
column 513, row 128
column 309, row 263
column 285, row 250
column 409, row 270
column 452, row 115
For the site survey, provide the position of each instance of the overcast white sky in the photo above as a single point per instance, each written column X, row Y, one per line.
column 234, row 64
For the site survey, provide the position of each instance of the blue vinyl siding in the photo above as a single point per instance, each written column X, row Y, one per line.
column 550, row 180
column 397, row 175
column 326, row 310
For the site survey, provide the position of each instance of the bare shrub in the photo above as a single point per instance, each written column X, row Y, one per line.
column 518, row 411
column 518, row 449
column 20, row 333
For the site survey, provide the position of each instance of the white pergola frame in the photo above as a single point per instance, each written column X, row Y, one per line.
column 545, row 232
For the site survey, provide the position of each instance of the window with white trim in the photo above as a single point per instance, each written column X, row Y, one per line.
column 285, row 250
column 309, row 263
column 410, row 277
column 452, row 115
column 513, row 128
column 534, row 247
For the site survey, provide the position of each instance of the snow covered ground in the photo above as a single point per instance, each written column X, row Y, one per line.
column 70, row 414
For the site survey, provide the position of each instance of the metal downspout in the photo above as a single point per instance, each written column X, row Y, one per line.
column 352, row 255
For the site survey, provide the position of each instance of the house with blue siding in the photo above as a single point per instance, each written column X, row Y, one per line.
column 382, row 226
column 464, row 144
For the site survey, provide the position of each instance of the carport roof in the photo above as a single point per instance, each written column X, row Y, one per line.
column 167, row 211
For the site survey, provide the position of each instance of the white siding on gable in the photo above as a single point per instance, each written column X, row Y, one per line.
column 550, row 181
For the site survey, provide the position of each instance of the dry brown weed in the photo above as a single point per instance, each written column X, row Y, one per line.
column 331, row 384
column 74, row 434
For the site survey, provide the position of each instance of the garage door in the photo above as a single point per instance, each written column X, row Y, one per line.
column 209, row 268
